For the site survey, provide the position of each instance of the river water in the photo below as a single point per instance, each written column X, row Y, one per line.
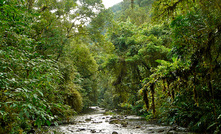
column 97, row 122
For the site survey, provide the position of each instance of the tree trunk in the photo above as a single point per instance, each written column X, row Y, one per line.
column 145, row 98
column 153, row 99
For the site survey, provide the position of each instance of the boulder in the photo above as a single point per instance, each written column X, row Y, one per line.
column 81, row 129
column 113, row 117
column 88, row 119
column 93, row 131
column 160, row 131
column 124, row 123
column 138, row 126
column 114, row 121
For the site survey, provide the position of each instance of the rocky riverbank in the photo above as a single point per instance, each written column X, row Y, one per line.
column 97, row 122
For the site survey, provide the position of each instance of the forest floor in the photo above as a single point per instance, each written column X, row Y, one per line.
column 96, row 121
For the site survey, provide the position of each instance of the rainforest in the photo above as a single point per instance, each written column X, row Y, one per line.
column 156, row 59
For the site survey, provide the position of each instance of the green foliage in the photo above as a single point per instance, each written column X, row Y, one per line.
column 39, row 82
column 138, row 15
column 173, row 62
column 74, row 99
column 53, row 65
column 29, row 89
column 183, row 112
column 136, row 49
column 190, row 81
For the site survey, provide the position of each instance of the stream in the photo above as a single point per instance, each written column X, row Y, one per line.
column 96, row 121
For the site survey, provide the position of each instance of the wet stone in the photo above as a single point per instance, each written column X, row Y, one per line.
column 117, row 125
column 88, row 119
column 81, row 121
column 160, row 131
column 97, row 122
column 138, row 127
column 93, row 131
column 71, row 131
column 114, row 132
column 124, row 123
column 181, row 129
column 81, row 129
column 113, row 117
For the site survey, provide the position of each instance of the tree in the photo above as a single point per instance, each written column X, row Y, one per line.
column 195, row 56
column 38, row 80
column 136, row 50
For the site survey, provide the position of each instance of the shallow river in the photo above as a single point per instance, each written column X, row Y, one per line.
column 97, row 122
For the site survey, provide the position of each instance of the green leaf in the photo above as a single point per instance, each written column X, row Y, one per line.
column 40, row 93
column 35, row 96
column 48, row 123
column 219, row 117
column 211, row 125
column 29, row 106
column 55, row 123
column 1, row 112
column 26, row 113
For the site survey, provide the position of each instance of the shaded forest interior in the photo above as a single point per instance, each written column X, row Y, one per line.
column 159, row 59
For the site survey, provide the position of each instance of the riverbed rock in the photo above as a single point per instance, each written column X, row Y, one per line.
column 181, row 129
column 120, row 117
column 97, row 122
column 88, row 119
column 138, row 127
column 160, row 131
column 172, row 132
column 117, row 125
column 114, row 121
column 81, row 129
column 113, row 117
column 124, row 123
column 80, row 122
column 93, row 131
column 114, row 132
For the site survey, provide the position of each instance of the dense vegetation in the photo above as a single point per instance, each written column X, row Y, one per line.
column 47, row 72
column 166, row 62
column 155, row 58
